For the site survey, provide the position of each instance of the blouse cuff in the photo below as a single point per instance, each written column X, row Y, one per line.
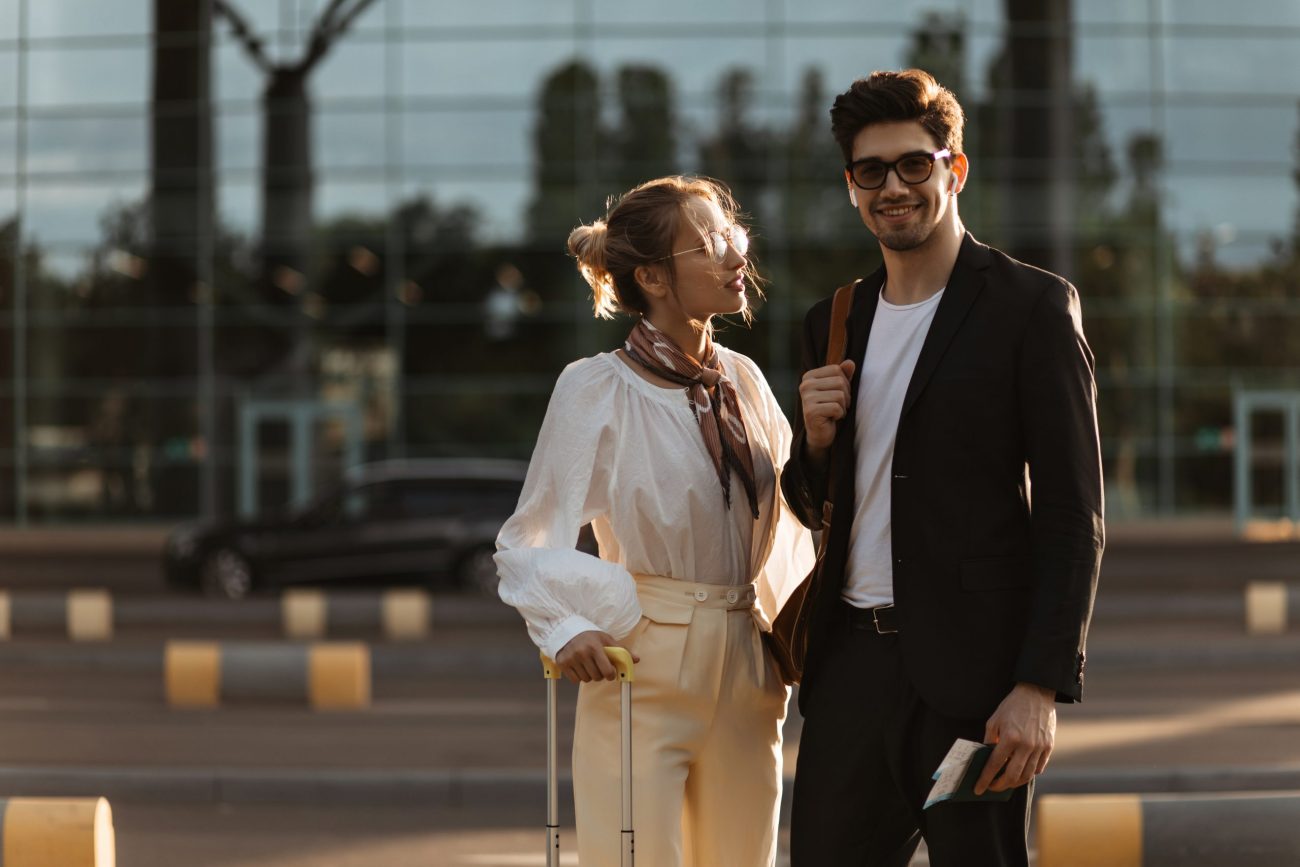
column 565, row 632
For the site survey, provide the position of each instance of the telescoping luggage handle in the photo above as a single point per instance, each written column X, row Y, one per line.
column 623, row 663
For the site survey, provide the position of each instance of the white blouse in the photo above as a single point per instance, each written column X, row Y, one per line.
column 627, row 456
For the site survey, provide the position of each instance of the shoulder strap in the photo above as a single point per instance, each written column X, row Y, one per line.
column 840, row 307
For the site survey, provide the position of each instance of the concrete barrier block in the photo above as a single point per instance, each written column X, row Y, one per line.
column 328, row 676
column 57, row 832
column 407, row 614
column 1205, row 830
column 1089, row 831
column 303, row 612
column 192, row 673
column 339, row 676
column 90, row 615
column 1266, row 608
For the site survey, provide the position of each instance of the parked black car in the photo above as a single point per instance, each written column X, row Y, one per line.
column 432, row 522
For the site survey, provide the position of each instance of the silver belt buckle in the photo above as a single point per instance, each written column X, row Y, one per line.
column 875, row 619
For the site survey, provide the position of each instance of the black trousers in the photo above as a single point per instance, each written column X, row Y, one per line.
column 868, row 751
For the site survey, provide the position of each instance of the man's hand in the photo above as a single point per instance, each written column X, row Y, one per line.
column 1024, row 729
column 583, row 659
column 824, row 393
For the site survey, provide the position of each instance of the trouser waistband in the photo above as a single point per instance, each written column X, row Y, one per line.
column 733, row 597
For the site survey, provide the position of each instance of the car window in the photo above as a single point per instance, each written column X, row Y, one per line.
column 380, row 501
column 460, row 499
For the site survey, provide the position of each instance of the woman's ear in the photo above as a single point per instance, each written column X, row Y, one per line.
column 652, row 280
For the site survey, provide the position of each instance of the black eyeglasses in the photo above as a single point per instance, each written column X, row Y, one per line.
column 736, row 236
column 912, row 169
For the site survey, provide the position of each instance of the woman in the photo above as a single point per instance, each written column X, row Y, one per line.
column 670, row 448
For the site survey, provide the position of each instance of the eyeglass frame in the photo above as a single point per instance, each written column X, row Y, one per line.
column 726, row 238
column 933, row 156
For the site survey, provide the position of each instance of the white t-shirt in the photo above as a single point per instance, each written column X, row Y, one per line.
column 897, row 334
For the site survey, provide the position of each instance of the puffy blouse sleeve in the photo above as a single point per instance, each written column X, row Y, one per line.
column 561, row 591
column 791, row 555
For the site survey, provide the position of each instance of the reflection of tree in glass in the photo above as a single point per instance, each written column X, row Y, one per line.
column 645, row 142
column 737, row 153
column 287, row 176
column 569, row 141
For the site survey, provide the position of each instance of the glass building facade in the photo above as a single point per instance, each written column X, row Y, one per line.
column 246, row 242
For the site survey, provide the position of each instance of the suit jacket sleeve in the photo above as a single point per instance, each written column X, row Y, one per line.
column 804, row 486
column 1059, row 423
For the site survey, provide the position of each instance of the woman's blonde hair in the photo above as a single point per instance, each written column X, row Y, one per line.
column 640, row 229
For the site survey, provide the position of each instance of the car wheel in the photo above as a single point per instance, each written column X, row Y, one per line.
column 226, row 574
column 478, row 571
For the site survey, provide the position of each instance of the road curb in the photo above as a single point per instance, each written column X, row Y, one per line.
column 494, row 787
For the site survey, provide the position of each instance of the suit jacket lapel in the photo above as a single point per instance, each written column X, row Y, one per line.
column 964, row 285
column 863, row 313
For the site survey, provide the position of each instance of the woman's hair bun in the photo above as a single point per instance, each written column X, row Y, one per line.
column 587, row 245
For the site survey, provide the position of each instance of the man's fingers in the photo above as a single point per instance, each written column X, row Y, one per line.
column 1013, row 771
column 1041, row 765
column 997, row 760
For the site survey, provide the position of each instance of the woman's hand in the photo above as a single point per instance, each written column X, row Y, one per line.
column 583, row 659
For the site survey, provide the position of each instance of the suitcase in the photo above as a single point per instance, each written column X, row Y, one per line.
column 623, row 662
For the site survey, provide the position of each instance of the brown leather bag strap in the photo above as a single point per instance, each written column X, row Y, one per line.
column 838, row 338
column 836, row 344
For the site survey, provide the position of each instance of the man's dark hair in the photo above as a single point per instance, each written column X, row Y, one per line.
column 885, row 97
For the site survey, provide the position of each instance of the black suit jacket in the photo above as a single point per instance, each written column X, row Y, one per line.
column 990, row 589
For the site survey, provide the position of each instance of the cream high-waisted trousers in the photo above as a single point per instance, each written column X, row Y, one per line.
column 707, row 708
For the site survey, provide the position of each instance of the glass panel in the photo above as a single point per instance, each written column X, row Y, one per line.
column 1258, row 13
column 727, row 13
column 237, row 138
column 351, row 140
column 352, row 68
column 236, row 79
column 54, row 18
column 508, row 69
column 498, row 206
column 63, row 214
column 8, row 78
column 339, row 199
column 1213, row 65
column 239, row 203
column 1230, row 209
column 1114, row 64
column 499, row 13
column 455, row 138
column 694, row 66
column 840, row 60
column 88, row 76
column 61, row 145
column 1244, row 135
column 108, row 447
column 8, row 151
column 851, row 12
column 1112, row 12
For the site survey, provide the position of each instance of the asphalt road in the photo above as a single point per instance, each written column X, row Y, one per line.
column 446, row 766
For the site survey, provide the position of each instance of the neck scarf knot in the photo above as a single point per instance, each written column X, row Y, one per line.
column 712, row 398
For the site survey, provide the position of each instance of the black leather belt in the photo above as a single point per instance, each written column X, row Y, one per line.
column 882, row 620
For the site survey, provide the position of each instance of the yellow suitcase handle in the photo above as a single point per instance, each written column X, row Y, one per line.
column 621, row 658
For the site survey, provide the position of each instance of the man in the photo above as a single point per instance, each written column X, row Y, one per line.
column 953, row 603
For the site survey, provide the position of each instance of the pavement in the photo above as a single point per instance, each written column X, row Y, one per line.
column 447, row 765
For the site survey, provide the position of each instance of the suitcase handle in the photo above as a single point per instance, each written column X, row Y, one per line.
column 621, row 658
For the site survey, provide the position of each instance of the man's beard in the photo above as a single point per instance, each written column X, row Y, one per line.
column 908, row 238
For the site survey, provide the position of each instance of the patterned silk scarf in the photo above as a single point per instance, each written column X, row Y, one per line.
column 712, row 398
